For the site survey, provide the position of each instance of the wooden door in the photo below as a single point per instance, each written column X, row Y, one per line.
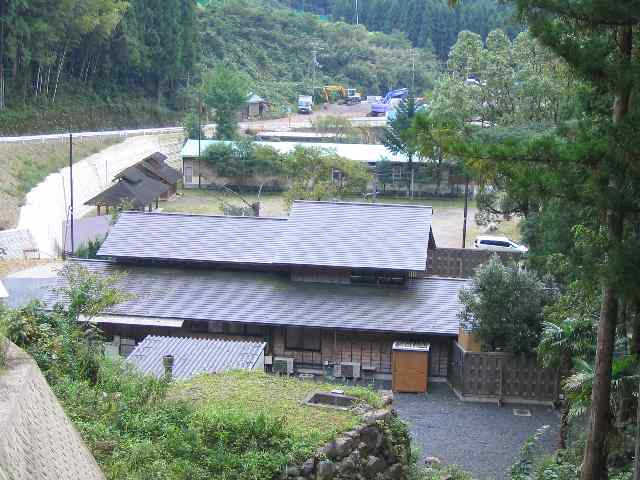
column 410, row 371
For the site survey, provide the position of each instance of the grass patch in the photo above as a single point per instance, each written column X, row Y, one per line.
column 275, row 205
column 254, row 393
column 26, row 165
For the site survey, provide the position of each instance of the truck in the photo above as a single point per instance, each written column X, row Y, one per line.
column 305, row 104
column 381, row 108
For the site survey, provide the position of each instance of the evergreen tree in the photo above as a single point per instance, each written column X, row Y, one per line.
column 399, row 136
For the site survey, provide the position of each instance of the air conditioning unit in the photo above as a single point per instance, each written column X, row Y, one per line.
column 282, row 365
column 350, row 370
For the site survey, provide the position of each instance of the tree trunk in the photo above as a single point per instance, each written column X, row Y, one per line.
column 55, row 89
column 594, row 465
column 566, row 368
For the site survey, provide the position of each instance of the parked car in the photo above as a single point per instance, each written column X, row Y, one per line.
column 498, row 244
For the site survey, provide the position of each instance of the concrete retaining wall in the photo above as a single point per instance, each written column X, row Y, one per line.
column 38, row 441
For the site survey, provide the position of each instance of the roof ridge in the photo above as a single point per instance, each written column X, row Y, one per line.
column 202, row 339
column 187, row 214
column 329, row 202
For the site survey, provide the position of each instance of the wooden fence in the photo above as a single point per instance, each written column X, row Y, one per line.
column 462, row 262
column 494, row 376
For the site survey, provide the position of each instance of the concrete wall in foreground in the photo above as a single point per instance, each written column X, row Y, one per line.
column 37, row 439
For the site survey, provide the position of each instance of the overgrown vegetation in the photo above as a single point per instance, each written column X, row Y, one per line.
column 549, row 131
column 236, row 425
column 26, row 165
column 311, row 173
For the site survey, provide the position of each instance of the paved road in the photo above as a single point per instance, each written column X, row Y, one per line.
column 483, row 439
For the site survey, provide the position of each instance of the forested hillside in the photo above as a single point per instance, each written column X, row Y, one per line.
column 427, row 23
column 274, row 47
column 114, row 63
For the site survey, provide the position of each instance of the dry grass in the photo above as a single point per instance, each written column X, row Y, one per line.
column 447, row 219
column 257, row 393
column 8, row 267
column 23, row 166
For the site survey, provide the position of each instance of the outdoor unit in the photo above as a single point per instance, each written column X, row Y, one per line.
column 350, row 370
column 282, row 365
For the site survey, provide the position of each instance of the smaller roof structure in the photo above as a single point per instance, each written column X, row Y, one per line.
column 357, row 235
column 253, row 98
column 195, row 356
column 133, row 185
column 156, row 166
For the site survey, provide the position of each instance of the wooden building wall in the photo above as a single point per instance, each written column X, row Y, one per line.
column 369, row 349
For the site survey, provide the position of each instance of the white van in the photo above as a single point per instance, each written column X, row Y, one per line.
column 498, row 244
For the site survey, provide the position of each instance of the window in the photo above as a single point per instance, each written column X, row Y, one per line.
column 188, row 174
column 301, row 338
column 396, row 173
column 378, row 278
column 206, row 327
column 338, row 177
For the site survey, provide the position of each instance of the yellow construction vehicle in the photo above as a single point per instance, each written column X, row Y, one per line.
column 345, row 96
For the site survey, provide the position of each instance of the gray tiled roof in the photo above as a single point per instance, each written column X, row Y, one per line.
column 360, row 235
column 329, row 234
column 193, row 356
column 200, row 238
column 422, row 306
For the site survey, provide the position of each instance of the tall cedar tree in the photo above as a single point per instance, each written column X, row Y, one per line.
column 596, row 38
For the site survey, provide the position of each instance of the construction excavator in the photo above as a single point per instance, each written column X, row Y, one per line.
column 344, row 96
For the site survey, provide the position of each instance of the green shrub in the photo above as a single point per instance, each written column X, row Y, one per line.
column 4, row 327
column 504, row 305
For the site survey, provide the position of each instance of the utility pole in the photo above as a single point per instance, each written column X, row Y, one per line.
column 413, row 72
column 357, row 15
column 71, row 188
column 314, row 62
column 466, row 208
column 199, row 139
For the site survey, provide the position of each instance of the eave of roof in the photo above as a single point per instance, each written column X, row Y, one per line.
column 423, row 306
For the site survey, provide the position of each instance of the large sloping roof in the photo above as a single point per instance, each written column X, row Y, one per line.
column 193, row 356
column 428, row 306
column 358, row 235
column 201, row 238
column 322, row 234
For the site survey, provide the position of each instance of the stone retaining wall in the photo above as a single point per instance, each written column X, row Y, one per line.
column 375, row 449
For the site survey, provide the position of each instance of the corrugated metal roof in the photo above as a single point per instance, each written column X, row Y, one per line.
column 202, row 238
column 193, row 356
column 425, row 306
column 358, row 235
column 361, row 152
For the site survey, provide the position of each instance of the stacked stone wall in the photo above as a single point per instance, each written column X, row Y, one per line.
column 377, row 449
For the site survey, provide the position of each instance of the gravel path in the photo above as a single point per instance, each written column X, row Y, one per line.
column 480, row 438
